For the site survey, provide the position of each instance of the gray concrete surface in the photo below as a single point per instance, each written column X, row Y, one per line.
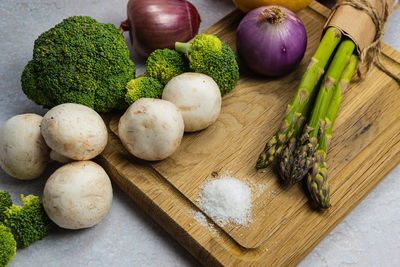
column 368, row 236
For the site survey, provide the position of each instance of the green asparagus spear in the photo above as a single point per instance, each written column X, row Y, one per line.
column 296, row 111
column 317, row 183
column 305, row 153
column 285, row 155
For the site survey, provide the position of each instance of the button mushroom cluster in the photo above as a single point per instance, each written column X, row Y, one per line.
column 152, row 129
column 77, row 195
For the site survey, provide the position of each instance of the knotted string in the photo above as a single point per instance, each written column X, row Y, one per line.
column 371, row 54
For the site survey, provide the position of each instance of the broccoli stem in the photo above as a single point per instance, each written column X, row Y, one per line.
column 185, row 48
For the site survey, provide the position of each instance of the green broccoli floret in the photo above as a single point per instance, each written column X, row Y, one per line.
column 208, row 55
column 165, row 64
column 8, row 245
column 143, row 87
column 5, row 202
column 81, row 61
column 28, row 223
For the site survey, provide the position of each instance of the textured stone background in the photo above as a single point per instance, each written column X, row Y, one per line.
column 369, row 236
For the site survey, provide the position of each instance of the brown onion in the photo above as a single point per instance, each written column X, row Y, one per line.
column 154, row 24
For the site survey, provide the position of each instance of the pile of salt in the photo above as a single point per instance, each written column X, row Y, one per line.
column 226, row 200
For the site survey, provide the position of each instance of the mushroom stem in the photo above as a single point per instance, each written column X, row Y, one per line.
column 59, row 158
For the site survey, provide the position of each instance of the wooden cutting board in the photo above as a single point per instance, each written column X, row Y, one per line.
column 365, row 147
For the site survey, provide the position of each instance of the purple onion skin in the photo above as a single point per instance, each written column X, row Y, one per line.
column 271, row 49
column 157, row 24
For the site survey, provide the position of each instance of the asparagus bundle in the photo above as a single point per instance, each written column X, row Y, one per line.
column 305, row 154
column 317, row 178
column 298, row 110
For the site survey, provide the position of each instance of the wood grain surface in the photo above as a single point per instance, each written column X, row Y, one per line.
column 364, row 148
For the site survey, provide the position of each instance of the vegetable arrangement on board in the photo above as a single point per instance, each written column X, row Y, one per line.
column 81, row 66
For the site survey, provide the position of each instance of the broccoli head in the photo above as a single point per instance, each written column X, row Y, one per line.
column 28, row 223
column 8, row 245
column 165, row 64
column 5, row 202
column 208, row 55
column 143, row 87
column 80, row 61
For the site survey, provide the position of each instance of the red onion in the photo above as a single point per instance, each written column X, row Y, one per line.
column 157, row 24
column 271, row 40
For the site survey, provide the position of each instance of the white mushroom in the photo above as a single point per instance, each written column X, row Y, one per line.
column 23, row 151
column 198, row 98
column 74, row 131
column 151, row 129
column 78, row 195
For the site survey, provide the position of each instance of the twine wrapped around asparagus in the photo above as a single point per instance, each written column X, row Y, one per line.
column 369, row 45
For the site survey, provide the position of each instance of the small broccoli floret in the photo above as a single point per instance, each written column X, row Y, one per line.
column 165, row 64
column 208, row 55
column 8, row 245
column 143, row 87
column 28, row 223
column 80, row 61
column 5, row 202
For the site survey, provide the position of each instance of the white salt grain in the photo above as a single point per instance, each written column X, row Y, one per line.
column 226, row 200
column 200, row 218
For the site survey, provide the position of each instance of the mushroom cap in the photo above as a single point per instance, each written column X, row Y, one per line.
column 74, row 131
column 151, row 129
column 78, row 195
column 198, row 98
column 23, row 152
